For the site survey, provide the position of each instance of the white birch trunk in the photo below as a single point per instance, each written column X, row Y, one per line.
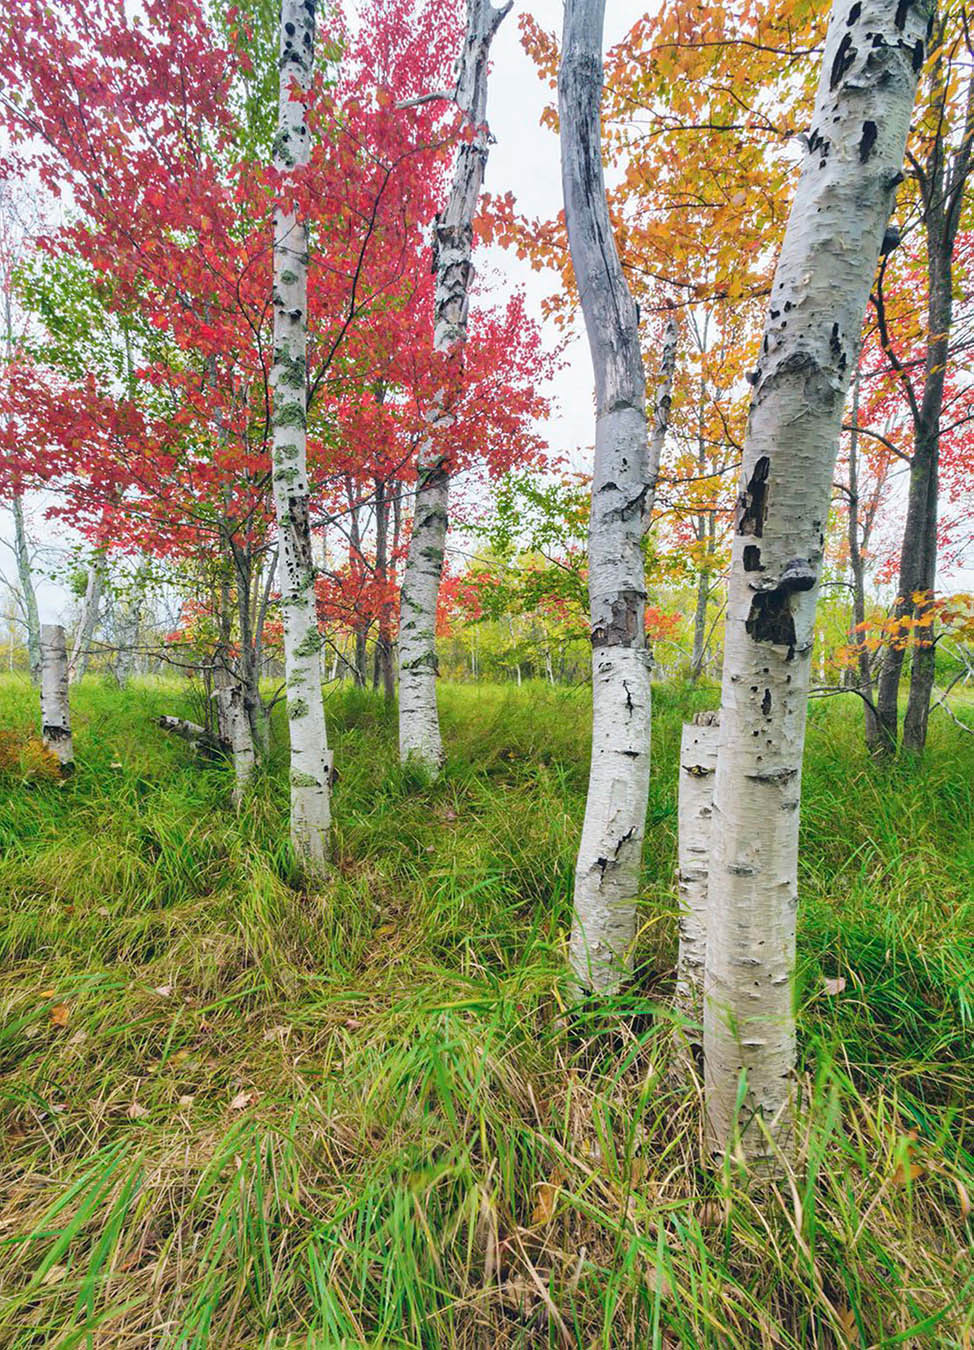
column 698, row 764
column 854, row 155
column 310, row 759
column 235, row 728
column 607, row 872
column 419, row 725
column 27, row 592
column 130, row 625
column 88, row 621
column 55, row 712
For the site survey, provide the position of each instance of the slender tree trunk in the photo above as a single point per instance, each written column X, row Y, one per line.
column 88, row 620
column 55, row 712
column 854, row 154
column 927, row 463
column 240, row 738
column 27, row 592
column 943, row 187
column 130, row 625
column 608, row 867
column 698, row 765
column 419, row 726
column 857, row 636
column 384, row 670
column 310, row 757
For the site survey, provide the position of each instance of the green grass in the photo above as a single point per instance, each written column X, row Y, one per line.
column 359, row 1117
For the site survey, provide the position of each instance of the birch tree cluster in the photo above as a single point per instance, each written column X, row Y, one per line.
column 252, row 365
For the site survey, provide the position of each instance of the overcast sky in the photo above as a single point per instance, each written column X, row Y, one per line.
column 525, row 161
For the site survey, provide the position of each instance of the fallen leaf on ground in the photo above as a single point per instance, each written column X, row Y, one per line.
column 136, row 1111
column 834, row 985
column 60, row 1014
column 164, row 990
column 906, row 1172
column 54, row 1275
column 187, row 1099
column 242, row 1101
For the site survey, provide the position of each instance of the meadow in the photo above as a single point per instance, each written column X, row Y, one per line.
column 237, row 1114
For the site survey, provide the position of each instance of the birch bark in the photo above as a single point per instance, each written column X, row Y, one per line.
column 698, row 765
column 27, row 592
column 419, row 725
column 310, row 759
column 853, row 160
column 236, row 727
column 55, row 712
column 608, row 866
column 88, row 621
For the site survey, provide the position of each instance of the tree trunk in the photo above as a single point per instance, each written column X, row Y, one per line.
column 55, row 712
column 88, row 620
column 698, row 765
column 853, row 157
column 130, row 625
column 240, row 738
column 419, row 726
column 310, row 758
column 926, row 465
column 27, row 592
column 942, row 181
column 608, row 867
column 857, row 636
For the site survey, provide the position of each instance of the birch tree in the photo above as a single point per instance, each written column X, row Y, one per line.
column 699, row 744
column 87, row 620
column 419, row 726
column 310, row 758
column 28, row 596
column 610, row 854
column 853, row 158
column 55, row 712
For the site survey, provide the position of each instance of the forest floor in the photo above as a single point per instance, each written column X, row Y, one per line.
column 236, row 1114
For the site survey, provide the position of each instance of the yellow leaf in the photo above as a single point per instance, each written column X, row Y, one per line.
column 60, row 1014
column 906, row 1172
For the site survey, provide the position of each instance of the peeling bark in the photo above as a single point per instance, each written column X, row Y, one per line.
column 698, row 765
column 310, row 759
column 810, row 349
column 55, row 711
column 419, row 726
column 608, row 868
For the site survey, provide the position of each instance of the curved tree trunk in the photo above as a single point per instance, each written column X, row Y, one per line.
column 27, row 592
column 610, row 855
column 310, row 759
column 854, row 155
column 419, row 725
column 55, row 712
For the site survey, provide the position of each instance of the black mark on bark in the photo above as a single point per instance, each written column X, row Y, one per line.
column 843, row 59
column 622, row 628
column 867, row 141
column 752, row 505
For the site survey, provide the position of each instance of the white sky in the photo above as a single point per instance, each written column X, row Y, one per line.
column 525, row 161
